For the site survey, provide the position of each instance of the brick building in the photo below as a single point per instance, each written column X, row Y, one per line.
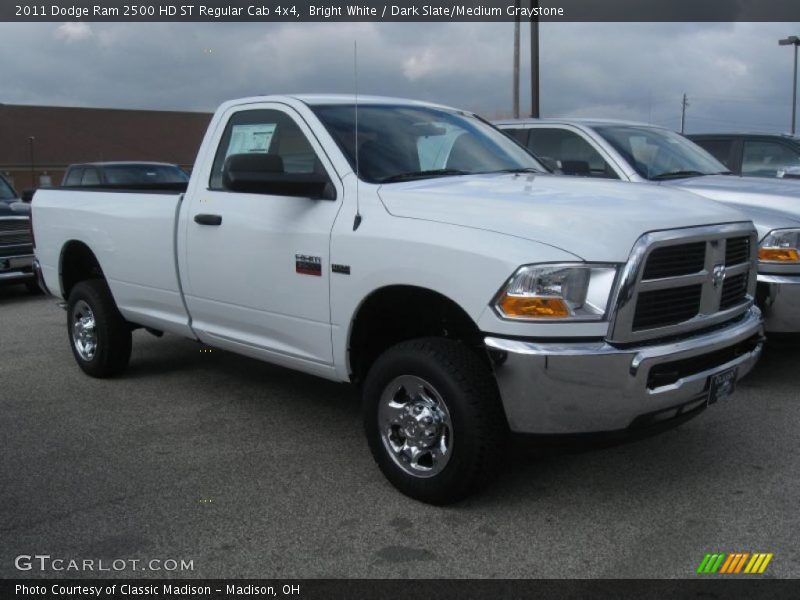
column 37, row 142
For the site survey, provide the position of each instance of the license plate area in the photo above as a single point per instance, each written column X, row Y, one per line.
column 721, row 385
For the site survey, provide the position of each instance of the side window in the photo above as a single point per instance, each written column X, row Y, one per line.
column 573, row 154
column 74, row 176
column 767, row 159
column 265, row 132
column 719, row 149
column 521, row 135
column 90, row 177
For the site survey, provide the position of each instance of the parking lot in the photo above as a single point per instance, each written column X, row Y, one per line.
column 249, row 470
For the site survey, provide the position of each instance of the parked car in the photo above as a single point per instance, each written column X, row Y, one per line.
column 124, row 174
column 641, row 153
column 430, row 260
column 754, row 154
column 16, row 248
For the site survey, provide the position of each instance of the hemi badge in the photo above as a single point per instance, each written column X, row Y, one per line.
column 343, row 269
column 308, row 265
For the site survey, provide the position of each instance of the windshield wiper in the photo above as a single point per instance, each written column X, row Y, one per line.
column 423, row 175
column 517, row 170
column 677, row 175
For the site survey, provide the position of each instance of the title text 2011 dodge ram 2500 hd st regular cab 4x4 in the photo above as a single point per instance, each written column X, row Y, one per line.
column 468, row 291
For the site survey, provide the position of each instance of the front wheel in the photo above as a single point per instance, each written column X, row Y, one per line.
column 433, row 419
column 99, row 336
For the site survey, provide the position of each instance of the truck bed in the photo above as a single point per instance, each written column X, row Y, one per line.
column 117, row 225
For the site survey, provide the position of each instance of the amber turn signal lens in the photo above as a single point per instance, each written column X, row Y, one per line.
column 533, row 306
column 779, row 254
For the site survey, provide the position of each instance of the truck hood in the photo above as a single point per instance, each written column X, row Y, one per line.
column 770, row 203
column 592, row 219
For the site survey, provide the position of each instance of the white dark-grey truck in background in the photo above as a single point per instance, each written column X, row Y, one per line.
column 430, row 260
column 644, row 153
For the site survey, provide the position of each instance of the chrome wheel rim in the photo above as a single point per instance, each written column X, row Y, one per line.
column 415, row 426
column 84, row 330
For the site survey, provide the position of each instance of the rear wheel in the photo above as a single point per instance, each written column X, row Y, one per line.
column 433, row 419
column 99, row 336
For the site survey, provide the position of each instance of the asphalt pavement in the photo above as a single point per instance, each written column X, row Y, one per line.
column 249, row 470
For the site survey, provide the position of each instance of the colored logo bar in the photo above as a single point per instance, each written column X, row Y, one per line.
column 735, row 562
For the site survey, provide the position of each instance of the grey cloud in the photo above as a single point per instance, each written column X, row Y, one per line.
column 734, row 73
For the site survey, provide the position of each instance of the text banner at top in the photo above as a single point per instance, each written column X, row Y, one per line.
column 399, row 11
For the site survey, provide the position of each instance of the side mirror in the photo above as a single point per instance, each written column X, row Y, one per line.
column 27, row 195
column 576, row 167
column 264, row 174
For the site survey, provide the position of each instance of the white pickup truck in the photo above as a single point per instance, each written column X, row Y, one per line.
column 643, row 153
column 418, row 252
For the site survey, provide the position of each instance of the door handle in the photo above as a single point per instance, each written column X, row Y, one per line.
column 208, row 219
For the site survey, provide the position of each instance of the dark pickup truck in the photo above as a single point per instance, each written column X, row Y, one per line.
column 124, row 174
column 16, row 239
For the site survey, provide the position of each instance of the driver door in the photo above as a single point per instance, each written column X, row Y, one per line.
column 257, row 273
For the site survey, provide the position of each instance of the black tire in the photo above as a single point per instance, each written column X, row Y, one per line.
column 479, row 427
column 112, row 333
column 33, row 288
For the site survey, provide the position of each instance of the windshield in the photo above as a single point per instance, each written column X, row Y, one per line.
column 6, row 191
column 138, row 174
column 400, row 142
column 659, row 153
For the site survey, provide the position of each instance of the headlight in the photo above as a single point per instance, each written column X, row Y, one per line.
column 780, row 246
column 562, row 291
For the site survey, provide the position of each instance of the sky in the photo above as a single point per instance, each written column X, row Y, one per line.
column 735, row 75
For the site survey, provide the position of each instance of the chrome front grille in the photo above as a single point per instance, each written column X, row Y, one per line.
column 682, row 280
column 15, row 236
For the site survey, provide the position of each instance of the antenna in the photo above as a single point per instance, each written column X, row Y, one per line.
column 357, row 220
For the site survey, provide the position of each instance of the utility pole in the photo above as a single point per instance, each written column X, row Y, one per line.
column 516, row 60
column 31, row 140
column 684, row 104
column 534, row 62
column 793, row 40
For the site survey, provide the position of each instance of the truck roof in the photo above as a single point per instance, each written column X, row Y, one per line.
column 326, row 99
column 746, row 134
column 123, row 163
column 588, row 122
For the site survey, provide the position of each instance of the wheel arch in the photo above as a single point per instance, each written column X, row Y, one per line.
column 396, row 313
column 77, row 262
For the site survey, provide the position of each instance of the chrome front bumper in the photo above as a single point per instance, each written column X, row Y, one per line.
column 566, row 388
column 16, row 268
column 779, row 299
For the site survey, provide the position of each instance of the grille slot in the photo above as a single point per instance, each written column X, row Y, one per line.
column 18, row 250
column 676, row 260
column 15, row 238
column 737, row 251
column 13, row 225
column 734, row 291
column 659, row 308
column 669, row 373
